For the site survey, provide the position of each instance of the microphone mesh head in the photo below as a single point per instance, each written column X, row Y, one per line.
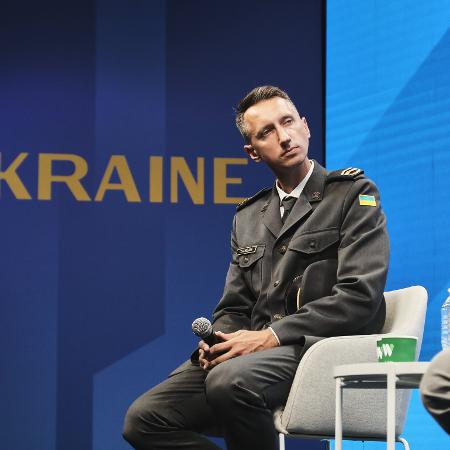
column 202, row 327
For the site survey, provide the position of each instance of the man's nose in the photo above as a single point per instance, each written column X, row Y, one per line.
column 283, row 137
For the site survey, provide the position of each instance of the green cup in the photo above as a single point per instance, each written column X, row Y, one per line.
column 396, row 348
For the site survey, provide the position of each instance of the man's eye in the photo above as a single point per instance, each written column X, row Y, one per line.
column 288, row 121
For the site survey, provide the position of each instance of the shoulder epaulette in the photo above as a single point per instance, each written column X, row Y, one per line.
column 351, row 173
column 250, row 200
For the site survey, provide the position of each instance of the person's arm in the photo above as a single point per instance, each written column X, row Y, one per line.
column 435, row 389
column 357, row 298
column 234, row 310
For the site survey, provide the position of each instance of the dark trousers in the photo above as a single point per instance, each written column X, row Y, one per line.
column 235, row 400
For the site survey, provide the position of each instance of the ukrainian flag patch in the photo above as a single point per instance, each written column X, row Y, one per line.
column 367, row 200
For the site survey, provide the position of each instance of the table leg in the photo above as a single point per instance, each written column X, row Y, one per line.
column 338, row 416
column 391, row 382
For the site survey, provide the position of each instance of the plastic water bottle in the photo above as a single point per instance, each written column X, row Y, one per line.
column 445, row 323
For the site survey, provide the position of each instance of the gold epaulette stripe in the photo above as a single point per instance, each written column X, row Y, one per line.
column 351, row 171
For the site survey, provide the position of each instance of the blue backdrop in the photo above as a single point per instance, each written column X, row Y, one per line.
column 98, row 291
column 387, row 111
column 116, row 117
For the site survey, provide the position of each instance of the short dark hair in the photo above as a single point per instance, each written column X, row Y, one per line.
column 255, row 96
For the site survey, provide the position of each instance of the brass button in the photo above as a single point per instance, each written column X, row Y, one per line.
column 278, row 316
column 276, row 283
column 283, row 249
column 312, row 244
column 246, row 259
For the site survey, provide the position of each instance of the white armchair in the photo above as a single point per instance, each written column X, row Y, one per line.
column 310, row 409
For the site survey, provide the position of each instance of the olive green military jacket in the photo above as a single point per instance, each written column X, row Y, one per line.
column 322, row 273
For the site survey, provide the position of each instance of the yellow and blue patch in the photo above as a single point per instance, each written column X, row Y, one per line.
column 367, row 200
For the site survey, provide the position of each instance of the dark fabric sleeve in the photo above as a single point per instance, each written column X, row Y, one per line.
column 233, row 311
column 235, row 307
column 356, row 304
column 435, row 389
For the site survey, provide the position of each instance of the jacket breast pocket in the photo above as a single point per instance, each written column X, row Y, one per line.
column 322, row 243
column 249, row 259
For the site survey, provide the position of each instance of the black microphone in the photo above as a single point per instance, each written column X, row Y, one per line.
column 203, row 329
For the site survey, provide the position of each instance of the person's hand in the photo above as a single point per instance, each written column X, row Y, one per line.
column 239, row 343
column 203, row 355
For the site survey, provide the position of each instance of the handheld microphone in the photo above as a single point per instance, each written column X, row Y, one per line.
column 203, row 329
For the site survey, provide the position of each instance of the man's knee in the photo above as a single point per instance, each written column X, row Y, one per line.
column 138, row 420
column 227, row 384
column 131, row 424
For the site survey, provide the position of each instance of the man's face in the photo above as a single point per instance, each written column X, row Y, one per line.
column 278, row 135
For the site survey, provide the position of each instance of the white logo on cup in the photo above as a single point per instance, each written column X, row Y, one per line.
column 385, row 350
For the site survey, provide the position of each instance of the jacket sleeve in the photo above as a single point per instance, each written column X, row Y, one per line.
column 356, row 304
column 234, row 309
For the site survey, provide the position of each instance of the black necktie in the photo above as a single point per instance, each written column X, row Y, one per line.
column 287, row 203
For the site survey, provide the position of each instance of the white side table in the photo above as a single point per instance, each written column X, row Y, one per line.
column 388, row 375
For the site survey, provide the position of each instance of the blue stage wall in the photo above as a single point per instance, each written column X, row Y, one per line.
column 108, row 110
column 387, row 111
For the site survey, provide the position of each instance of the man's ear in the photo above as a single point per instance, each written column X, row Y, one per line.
column 305, row 123
column 252, row 153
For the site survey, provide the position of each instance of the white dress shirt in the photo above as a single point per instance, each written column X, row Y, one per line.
column 297, row 190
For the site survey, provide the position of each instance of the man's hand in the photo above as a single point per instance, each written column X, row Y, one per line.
column 203, row 355
column 239, row 343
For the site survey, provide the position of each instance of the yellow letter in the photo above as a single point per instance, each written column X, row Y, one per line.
column 46, row 177
column 156, row 179
column 14, row 182
column 221, row 180
column 127, row 184
column 196, row 190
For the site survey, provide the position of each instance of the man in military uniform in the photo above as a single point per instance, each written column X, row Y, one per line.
column 309, row 260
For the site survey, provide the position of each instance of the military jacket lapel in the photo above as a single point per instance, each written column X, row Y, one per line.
column 271, row 214
column 312, row 193
column 300, row 209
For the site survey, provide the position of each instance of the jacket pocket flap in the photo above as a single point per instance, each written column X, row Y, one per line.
column 250, row 254
column 314, row 242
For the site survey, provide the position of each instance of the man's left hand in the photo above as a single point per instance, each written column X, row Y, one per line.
column 239, row 343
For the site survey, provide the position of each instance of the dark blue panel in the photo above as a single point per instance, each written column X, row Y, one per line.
column 46, row 81
column 47, row 92
column 112, row 252
column 97, row 297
